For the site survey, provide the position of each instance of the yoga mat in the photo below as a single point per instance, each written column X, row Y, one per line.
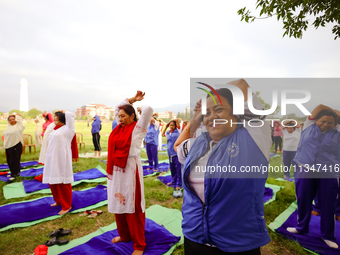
column 4, row 178
column 163, row 166
column 32, row 172
column 275, row 189
column 312, row 241
column 27, row 213
column 24, row 173
column 23, row 165
column 16, row 189
column 157, row 238
column 170, row 218
column 34, row 185
column 268, row 197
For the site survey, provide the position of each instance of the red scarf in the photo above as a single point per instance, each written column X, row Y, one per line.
column 74, row 147
column 119, row 146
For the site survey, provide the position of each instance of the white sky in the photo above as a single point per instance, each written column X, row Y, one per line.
column 74, row 53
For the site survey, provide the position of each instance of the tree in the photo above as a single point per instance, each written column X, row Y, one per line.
column 265, row 105
column 1, row 113
column 295, row 14
column 34, row 112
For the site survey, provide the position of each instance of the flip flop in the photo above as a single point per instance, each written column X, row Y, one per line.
column 85, row 213
column 94, row 214
column 60, row 232
column 55, row 240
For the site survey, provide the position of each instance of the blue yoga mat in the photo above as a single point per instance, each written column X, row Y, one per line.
column 23, row 164
column 157, row 238
column 33, row 185
column 32, row 172
column 41, row 208
column 312, row 241
column 162, row 167
column 4, row 178
column 165, row 179
column 268, row 192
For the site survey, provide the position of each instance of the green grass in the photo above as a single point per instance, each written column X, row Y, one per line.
column 24, row 240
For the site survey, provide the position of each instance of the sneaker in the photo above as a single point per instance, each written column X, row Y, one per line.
column 331, row 244
column 292, row 230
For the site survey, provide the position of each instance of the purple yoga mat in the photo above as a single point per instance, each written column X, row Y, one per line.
column 33, row 185
column 23, row 165
column 268, row 192
column 157, row 238
column 312, row 241
column 41, row 208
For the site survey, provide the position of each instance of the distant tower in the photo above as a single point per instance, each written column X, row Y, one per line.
column 23, row 95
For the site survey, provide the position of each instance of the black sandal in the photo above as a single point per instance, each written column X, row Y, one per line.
column 55, row 240
column 60, row 232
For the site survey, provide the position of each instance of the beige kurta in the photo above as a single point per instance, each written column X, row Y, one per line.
column 122, row 185
column 58, row 161
column 13, row 133
column 38, row 130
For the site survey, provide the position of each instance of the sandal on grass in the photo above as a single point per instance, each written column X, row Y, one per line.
column 60, row 232
column 55, row 240
column 94, row 214
column 85, row 213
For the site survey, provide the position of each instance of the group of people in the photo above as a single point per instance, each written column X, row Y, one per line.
column 223, row 211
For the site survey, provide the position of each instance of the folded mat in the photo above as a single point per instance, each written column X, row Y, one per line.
column 169, row 218
column 311, row 241
column 269, row 192
column 17, row 189
column 23, row 164
column 33, row 185
column 27, row 213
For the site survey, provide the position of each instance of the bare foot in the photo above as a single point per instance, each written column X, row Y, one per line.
column 55, row 204
column 62, row 212
column 315, row 213
column 116, row 239
column 168, row 184
column 137, row 252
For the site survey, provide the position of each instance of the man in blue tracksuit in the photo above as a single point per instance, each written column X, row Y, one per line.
column 151, row 144
column 96, row 127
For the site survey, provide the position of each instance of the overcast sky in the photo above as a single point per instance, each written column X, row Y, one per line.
column 74, row 53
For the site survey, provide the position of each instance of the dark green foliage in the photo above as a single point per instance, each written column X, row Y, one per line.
column 295, row 14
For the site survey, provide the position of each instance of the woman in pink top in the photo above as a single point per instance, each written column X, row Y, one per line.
column 278, row 136
column 48, row 120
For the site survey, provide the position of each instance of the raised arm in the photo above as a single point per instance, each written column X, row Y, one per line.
column 318, row 109
column 183, row 136
column 69, row 117
column 145, row 117
column 19, row 124
column 165, row 128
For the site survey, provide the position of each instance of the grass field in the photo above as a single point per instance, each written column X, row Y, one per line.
column 24, row 240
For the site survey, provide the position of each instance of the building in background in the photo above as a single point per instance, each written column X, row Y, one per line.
column 101, row 110
column 166, row 115
column 23, row 95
